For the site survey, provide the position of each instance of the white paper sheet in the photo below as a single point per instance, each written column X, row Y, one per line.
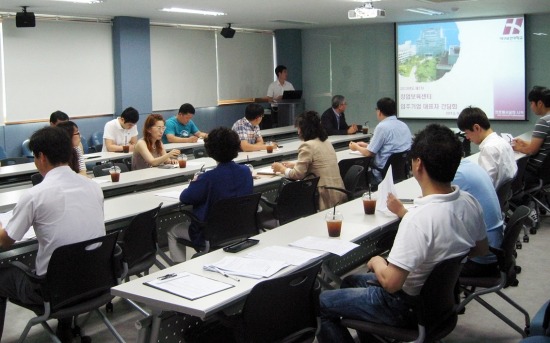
column 248, row 267
column 187, row 285
column 293, row 256
column 384, row 188
column 335, row 246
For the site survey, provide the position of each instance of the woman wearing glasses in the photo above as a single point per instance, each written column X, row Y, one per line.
column 77, row 160
column 149, row 151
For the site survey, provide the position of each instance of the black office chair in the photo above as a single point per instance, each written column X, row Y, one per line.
column 78, row 281
column 200, row 152
column 504, row 194
column 139, row 244
column 345, row 164
column 36, row 178
column 295, row 199
column 539, row 193
column 475, row 287
column 400, row 165
column 228, row 220
column 11, row 161
column 517, row 195
column 351, row 181
column 434, row 308
column 103, row 169
column 283, row 309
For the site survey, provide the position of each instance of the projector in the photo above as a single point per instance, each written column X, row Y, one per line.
column 365, row 12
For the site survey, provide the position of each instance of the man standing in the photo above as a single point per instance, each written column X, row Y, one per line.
column 495, row 153
column 121, row 131
column 334, row 119
column 181, row 129
column 64, row 208
column 390, row 136
column 445, row 223
column 276, row 88
column 248, row 128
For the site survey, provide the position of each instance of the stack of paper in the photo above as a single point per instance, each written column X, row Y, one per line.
column 335, row 246
column 293, row 256
column 248, row 267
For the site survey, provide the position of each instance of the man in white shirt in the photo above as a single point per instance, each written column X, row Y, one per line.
column 445, row 223
column 64, row 208
column 121, row 131
column 276, row 88
column 496, row 155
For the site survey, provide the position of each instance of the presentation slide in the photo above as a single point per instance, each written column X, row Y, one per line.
column 443, row 67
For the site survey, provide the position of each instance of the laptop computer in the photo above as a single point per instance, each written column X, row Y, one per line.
column 292, row 95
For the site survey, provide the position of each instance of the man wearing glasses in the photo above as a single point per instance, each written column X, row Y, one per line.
column 181, row 129
column 334, row 119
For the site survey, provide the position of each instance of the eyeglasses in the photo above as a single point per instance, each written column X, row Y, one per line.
column 161, row 128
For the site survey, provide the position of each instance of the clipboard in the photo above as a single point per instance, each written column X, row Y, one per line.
column 187, row 285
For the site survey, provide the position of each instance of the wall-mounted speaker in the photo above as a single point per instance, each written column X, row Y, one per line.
column 25, row 19
column 228, row 32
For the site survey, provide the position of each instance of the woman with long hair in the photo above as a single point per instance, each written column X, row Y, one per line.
column 149, row 151
column 316, row 155
column 77, row 160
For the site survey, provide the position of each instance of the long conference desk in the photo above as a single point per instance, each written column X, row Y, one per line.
column 356, row 227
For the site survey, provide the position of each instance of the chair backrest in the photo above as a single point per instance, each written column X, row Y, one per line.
column 352, row 177
column 10, row 161
column 364, row 162
column 504, row 194
column 436, row 307
column 232, row 219
column 84, row 142
column 199, row 152
column 81, row 271
column 279, row 307
column 25, row 149
column 103, row 169
column 296, row 199
column 2, row 153
column 139, row 239
column 517, row 184
column 511, row 234
column 544, row 170
column 400, row 166
column 97, row 140
column 36, row 178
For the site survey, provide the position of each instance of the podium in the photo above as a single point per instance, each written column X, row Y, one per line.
column 286, row 111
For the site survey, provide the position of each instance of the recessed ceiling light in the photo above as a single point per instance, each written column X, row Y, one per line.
column 83, row 1
column 186, row 10
column 540, row 34
column 425, row 11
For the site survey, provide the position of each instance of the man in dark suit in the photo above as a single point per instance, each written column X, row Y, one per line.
column 334, row 119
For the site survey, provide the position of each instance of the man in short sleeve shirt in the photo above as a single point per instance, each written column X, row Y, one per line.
column 121, row 131
column 248, row 128
column 181, row 128
column 445, row 223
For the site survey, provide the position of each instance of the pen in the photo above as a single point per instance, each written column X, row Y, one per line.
column 225, row 274
column 407, row 201
column 167, row 276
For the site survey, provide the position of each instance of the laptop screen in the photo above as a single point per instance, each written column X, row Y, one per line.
column 296, row 94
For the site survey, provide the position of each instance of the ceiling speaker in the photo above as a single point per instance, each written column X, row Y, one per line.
column 228, row 32
column 25, row 19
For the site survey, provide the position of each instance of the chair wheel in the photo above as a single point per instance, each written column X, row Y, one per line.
column 514, row 283
column 533, row 231
column 109, row 307
column 519, row 245
column 526, row 239
column 518, row 269
column 515, row 253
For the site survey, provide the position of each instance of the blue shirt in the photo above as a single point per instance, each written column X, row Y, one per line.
column 473, row 179
column 227, row 180
column 174, row 127
column 390, row 136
